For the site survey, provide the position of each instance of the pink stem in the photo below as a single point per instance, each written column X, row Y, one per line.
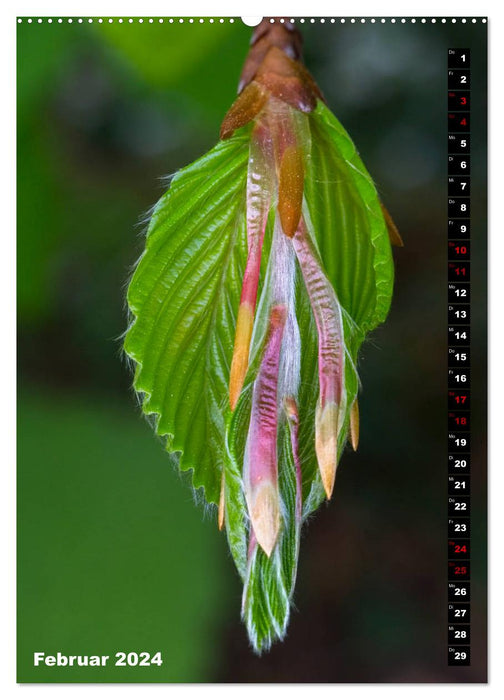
column 259, row 186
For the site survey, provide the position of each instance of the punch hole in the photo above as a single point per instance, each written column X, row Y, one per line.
column 251, row 21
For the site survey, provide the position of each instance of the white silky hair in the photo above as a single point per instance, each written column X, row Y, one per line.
column 284, row 291
column 279, row 288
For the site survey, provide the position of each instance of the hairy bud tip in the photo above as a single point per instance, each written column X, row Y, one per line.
column 326, row 444
column 265, row 515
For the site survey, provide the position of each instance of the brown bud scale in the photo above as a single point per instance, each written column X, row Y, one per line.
column 290, row 189
column 272, row 68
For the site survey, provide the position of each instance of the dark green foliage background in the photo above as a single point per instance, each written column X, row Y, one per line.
column 113, row 554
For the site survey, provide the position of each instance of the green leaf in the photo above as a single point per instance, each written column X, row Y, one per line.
column 348, row 223
column 184, row 297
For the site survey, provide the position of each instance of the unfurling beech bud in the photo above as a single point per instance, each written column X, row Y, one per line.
column 239, row 363
column 260, row 177
column 354, row 425
column 260, row 473
column 290, row 189
column 221, row 515
column 245, row 108
column 326, row 444
column 394, row 235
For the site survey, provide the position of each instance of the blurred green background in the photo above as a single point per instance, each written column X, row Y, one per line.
column 114, row 555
